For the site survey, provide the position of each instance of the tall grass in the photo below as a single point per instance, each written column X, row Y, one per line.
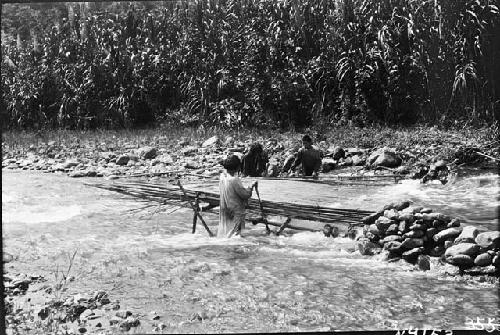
column 249, row 63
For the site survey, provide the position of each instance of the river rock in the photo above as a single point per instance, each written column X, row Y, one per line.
column 273, row 170
column 384, row 157
column 358, row 161
column 430, row 233
column 328, row 164
column 468, row 235
column 437, row 251
column 410, row 243
column 78, row 174
column 424, row 262
column 122, row 160
column 391, row 214
column 189, row 150
column 404, row 216
column 470, row 249
column 412, row 254
column 496, row 260
column 483, row 259
column 404, row 226
column 147, row 152
column 418, row 226
column 460, row 260
column 373, row 228
column 123, row 314
column 211, row 141
column 383, row 223
column 392, row 229
column 414, row 234
column 369, row 219
column 366, row 247
column 70, row 163
column 447, row 233
column 391, row 238
column 454, row 223
column 393, row 247
column 489, row 240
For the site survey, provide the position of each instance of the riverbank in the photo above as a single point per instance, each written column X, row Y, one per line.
column 410, row 152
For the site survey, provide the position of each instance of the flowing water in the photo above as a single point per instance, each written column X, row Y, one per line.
column 150, row 261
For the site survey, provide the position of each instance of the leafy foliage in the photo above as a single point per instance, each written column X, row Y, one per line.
column 238, row 63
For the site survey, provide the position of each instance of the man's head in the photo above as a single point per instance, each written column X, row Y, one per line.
column 232, row 163
column 307, row 141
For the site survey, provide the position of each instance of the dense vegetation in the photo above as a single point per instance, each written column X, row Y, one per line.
column 287, row 63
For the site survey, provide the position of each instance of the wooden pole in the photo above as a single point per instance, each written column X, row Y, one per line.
column 195, row 209
column 195, row 214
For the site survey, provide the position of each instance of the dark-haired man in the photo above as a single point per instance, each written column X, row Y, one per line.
column 309, row 157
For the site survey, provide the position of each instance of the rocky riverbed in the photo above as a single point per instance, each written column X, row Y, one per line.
column 164, row 156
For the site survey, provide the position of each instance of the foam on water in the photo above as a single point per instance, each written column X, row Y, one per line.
column 39, row 214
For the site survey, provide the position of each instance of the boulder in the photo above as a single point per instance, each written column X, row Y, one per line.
column 468, row 235
column 78, row 174
column 470, row 249
column 430, row 233
column 489, row 240
column 374, row 230
column 437, row 251
column 211, row 141
column 391, row 238
column 392, row 229
column 418, row 226
column 424, row 262
column 460, row 260
column 483, row 259
column 328, row 164
column 70, row 163
column 391, row 214
column 404, row 216
column 496, row 260
column 393, row 246
column 446, row 234
column 273, row 170
column 147, row 152
column 367, row 220
column 410, row 243
column 404, row 226
column 189, row 150
column 122, row 160
column 366, row 247
column 402, row 205
column 347, row 161
column 358, row 161
column 412, row 254
column 454, row 223
column 414, row 234
column 426, row 210
column 383, row 223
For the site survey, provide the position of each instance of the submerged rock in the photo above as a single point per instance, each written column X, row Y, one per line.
column 424, row 262
column 366, row 247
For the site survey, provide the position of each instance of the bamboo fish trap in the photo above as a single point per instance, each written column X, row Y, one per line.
column 258, row 211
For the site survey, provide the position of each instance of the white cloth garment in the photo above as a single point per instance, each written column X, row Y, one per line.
column 233, row 200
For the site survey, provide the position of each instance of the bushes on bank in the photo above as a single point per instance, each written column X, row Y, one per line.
column 250, row 63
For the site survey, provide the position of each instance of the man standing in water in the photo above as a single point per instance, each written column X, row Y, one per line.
column 309, row 157
column 233, row 199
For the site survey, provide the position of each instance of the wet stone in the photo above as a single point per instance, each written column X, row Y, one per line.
column 483, row 259
column 414, row 234
column 470, row 249
column 410, row 243
column 423, row 262
column 468, row 235
column 447, row 233
column 123, row 314
column 489, row 240
column 460, row 260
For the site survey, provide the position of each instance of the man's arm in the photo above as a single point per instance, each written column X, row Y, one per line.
column 298, row 160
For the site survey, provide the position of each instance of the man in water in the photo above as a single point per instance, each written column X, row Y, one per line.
column 310, row 158
column 254, row 161
column 233, row 199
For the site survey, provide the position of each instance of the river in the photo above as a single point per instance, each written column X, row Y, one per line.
column 150, row 261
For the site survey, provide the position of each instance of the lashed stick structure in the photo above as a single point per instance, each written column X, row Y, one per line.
column 173, row 195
